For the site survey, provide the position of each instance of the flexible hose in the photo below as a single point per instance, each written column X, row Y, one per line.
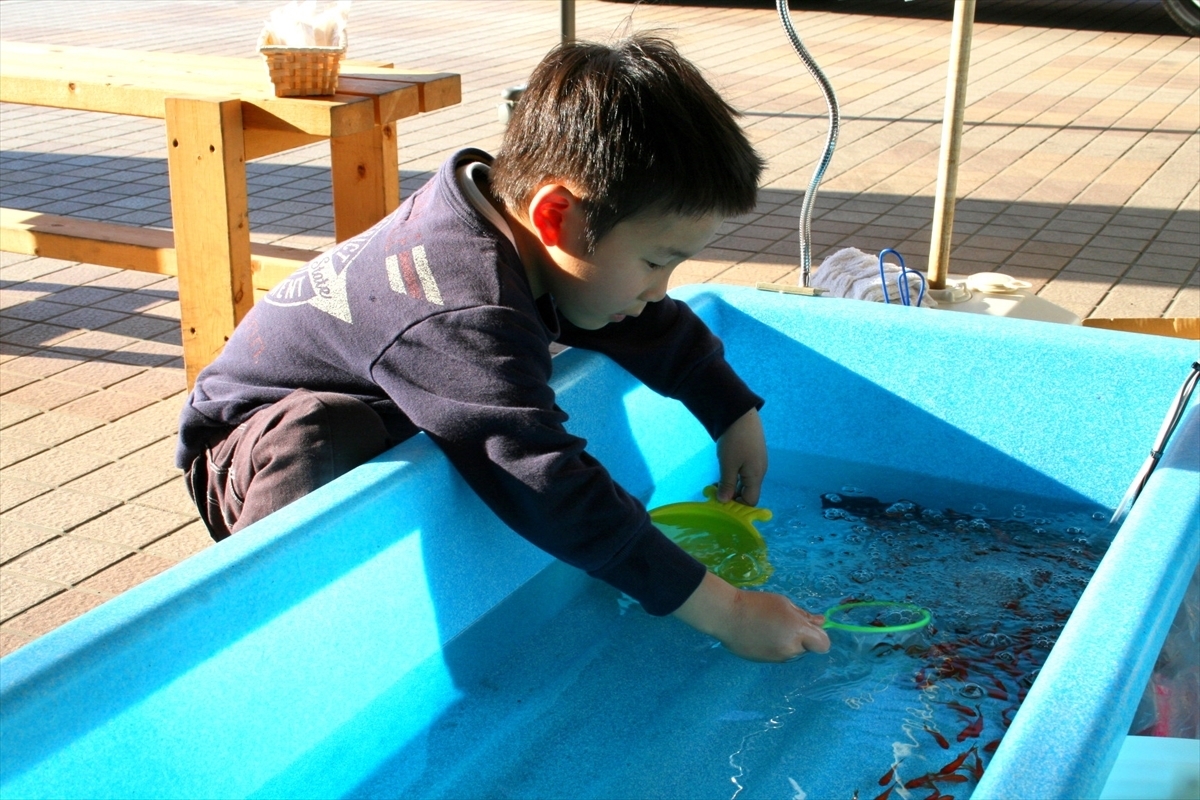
column 810, row 196
column 1160, row 444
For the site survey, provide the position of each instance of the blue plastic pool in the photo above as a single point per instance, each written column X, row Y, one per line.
column 387, row 636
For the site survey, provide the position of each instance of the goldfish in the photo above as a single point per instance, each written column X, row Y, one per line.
column 974, row 728
column 956, row 763
column 887, row 777
column 977, row 767
column 941, row 740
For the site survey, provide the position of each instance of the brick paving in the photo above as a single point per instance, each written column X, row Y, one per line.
column 1080, row 173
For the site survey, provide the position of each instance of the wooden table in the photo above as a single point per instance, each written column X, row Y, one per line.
column 219, row 113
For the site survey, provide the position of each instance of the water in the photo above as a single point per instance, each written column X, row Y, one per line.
column 604, row 701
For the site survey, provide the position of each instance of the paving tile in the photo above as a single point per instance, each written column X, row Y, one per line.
column 57, row 466
column 132, row 525
column 1185, row 304
column 1078, row 295
column 42, row 363
column 107, row 405
column 37, row 310
column 99, row 374
column 124, row 480
column 171, row 496
column 124, row 575
column 18, row 593
column 11, row 641
column 13, row 413
column 158, row 383
column 41, row 334
column 158, row 455
column 142, row 326
column 88, row 318
column 84, row 295
column 1135, row 299
column 67, row 559
column 182, row 544
column 52, row 428
column 145, row 354
column 129, row 279
column 13, row 451
column 94, row 344
column 13, row 380
column 60, row 509
column 46, row 395
column 14, row 491
column 17, row 538
column 53, row 613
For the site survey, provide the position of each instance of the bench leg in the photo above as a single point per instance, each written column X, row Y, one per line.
column 206, row 161
column 366, row 179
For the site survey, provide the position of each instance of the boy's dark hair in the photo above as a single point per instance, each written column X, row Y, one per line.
column 632, row 127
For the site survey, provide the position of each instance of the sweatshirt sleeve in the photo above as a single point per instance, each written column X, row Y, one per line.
column 671, row 350
column 477, row 382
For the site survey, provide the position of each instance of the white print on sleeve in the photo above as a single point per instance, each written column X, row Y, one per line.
column 409, row 273
column 322, row 282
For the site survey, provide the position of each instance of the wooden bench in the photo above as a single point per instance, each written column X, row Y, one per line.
column 129, row 247
column 219, row 112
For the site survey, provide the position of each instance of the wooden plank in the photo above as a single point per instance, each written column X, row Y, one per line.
column 127, row 247
column 1178, row 327
column 335, row 115
column 103, row 243
column 132, row 101
column 178, row 74
column 249, row 79
column 437, row 89
column 340, row 115
column 260, row 143
column 363, row 167
column 206, row 162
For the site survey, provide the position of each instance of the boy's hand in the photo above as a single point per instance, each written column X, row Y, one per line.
column 742, row 457
column 760, row 626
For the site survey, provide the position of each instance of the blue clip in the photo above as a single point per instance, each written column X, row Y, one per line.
column 902, row 281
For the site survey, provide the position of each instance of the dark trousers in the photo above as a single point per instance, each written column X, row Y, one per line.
column 280, row 454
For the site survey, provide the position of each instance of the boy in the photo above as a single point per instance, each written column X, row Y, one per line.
column 619, row 163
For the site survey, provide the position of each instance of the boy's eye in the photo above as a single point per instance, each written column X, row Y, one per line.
column 652, row 265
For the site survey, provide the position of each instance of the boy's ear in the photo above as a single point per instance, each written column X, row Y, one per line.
column 550, row 210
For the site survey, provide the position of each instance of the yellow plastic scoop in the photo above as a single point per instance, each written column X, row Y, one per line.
column 720, row 536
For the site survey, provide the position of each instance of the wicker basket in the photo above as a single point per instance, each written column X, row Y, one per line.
column 303, row 71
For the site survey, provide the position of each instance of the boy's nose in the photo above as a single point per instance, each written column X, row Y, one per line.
column 658, row 289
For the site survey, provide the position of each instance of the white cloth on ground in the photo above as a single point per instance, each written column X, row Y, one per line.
column 854, row 274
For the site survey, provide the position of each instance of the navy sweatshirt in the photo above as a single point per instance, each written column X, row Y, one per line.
column 429, row 318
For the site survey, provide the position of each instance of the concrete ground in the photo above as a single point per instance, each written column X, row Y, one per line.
column 1080, row 174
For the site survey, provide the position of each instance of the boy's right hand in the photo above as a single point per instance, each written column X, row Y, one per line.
column 760, row 626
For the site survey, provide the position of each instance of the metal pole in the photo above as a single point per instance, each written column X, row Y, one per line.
column 952, row 121
column 568, row 21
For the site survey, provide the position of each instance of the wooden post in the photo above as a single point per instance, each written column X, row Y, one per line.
column 206, row 162
column 952, row 121
column 366, row 179
column 567, row 9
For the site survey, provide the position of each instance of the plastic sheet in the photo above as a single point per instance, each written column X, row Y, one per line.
column 1171, row 703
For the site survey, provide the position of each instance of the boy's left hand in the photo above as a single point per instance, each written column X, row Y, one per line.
column 742, row 457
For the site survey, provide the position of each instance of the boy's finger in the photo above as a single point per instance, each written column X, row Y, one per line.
column 751, row 488
column 817, row 641
column 727, row 487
